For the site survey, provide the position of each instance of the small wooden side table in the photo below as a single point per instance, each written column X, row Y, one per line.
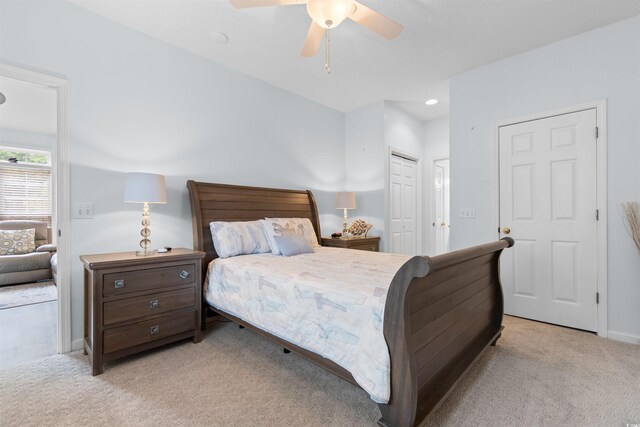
column 360, row 243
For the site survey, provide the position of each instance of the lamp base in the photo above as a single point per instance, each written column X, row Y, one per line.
column 146, row 252
column 344, row 224
column 145, row 232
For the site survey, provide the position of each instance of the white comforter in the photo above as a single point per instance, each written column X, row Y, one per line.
column 330, row 302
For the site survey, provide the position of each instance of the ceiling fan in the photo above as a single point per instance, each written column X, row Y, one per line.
column 327, row 15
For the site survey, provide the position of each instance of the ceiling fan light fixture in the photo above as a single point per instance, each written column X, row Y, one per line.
column 329, row 13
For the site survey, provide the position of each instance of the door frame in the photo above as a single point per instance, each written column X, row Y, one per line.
column 600, row 105
column 62, row 189
column 387, row 197
column 431, row 244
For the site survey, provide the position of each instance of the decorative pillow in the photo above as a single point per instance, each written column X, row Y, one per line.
column 288, row 227
column 238, row 238
column 293, row 245
column 17, row 242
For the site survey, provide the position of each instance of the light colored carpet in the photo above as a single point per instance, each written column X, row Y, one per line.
column 31, row 293
column 537, row 375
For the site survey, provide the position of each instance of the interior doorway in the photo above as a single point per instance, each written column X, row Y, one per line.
column 548, row 190
column 28, row 254
column 440, row 211
column 34, row 132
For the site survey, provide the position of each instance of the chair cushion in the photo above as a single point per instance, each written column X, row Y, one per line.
column 17, row 242
column 54, row 264
column 49, row 247
column 24, row 277
column 22, row 224
column 26, row 262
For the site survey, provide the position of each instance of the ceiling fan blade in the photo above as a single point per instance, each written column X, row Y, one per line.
column 313, row 40
column 376, row 22
column 242, row 4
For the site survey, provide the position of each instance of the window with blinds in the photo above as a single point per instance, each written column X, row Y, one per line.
column 25, row 191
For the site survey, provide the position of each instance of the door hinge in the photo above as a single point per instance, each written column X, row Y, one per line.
column 597, row 132
column 59, row 233
column 597, row 297
column 597, row 214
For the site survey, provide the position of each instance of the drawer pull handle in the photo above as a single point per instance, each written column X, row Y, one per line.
column 184, row 274
column 153, row 304
column 118, row 284
column 155, row 330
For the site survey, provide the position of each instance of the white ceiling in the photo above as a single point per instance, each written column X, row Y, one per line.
column 421, row 111
column 440, row 39
column 28, row 108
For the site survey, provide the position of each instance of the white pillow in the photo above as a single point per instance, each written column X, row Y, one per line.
column 288, row 227
column 238, row 238
column 293, row 245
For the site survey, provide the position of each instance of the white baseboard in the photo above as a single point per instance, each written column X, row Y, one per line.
column 620, row 336
column 76, row 344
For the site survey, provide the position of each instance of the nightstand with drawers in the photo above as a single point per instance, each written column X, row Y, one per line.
column 135, row 303
column 360, row 243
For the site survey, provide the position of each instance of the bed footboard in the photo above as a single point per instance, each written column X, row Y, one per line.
column 441, row 314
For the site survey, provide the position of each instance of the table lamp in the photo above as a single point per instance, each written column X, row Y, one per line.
column 345, row 200
column 145, row 188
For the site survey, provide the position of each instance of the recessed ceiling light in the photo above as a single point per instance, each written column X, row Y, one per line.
column 2, row 98
column 431, row 101
column 220, row 38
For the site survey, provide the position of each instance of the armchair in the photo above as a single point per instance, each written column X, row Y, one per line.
column 29, row 267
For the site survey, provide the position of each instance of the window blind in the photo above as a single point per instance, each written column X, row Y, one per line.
column 24, row 192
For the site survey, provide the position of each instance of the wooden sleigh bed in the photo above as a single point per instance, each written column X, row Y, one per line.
column 441, row 312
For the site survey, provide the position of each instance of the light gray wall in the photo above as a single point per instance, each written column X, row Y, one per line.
column 370, row 132
column 604, row 63
column 138, row 104
column 364, row 164
column 405, row 134
column 402, row 131
column 436, row 136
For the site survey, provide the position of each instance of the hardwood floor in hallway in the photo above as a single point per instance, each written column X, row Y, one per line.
column 28, row 333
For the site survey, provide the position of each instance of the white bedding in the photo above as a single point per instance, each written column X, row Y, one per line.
column 330, row 302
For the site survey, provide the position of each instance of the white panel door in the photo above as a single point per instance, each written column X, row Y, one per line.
column 548, row 203
column 440, row 216
column 403, row 209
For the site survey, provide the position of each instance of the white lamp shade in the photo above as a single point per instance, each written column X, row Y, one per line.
column 346, row 200
column 145, row 187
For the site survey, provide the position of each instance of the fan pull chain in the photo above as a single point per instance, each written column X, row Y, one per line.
column 327, row 61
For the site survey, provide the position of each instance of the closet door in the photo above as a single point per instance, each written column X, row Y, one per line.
column 403, row 206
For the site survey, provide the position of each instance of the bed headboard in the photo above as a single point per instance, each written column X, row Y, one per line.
column 223, row 202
